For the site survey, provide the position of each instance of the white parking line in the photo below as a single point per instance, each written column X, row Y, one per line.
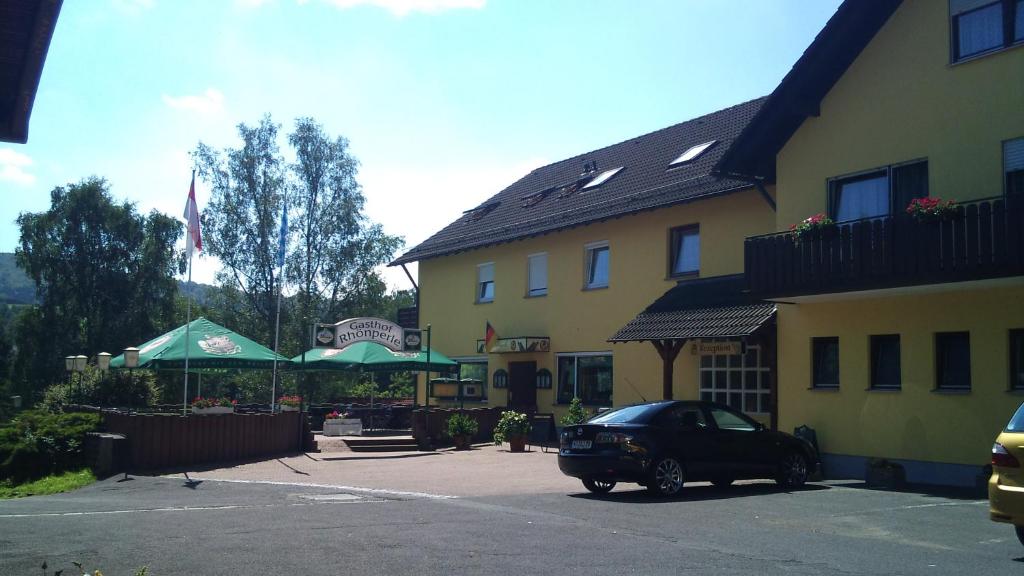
column 379, row 491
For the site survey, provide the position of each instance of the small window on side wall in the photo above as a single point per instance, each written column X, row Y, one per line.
column 597, row 255
column 885, row 362
column 1013, row 162
column 485, row 282
column 500, row 378
column 982, row 26
column 825, row 362
column 684, row 256
column 887, row 190
column 953, row 360
column 537, row 274
column 1017, row 359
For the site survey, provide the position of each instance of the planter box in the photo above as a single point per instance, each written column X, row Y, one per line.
column 289, row 408
column 343, row 427
column 213, row 410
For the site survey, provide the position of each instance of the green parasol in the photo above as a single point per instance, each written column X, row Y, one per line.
column 372, row 357
column 211, row 347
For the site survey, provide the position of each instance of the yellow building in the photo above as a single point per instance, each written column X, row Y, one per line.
column 558, row 262
column 901, row 336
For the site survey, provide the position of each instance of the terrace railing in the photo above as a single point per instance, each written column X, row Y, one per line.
column 981, row 239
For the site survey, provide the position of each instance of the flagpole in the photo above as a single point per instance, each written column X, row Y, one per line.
column 193, row 242
column 282, row 243
column 188, row 331
column 277, row 329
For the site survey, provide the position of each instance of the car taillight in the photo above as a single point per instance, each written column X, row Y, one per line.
column 612, row 438
column 1002, row 458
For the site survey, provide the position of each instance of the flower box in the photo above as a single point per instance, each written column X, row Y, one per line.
column 286, row 408
column 213, row 410
column 343, row 427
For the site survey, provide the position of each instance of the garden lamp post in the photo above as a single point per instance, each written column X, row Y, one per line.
column 69, row 367
column 79, row 366
column 131, row 361
column 103, row 361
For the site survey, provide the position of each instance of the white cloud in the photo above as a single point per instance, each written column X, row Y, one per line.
column 404, row 7
column 209, row 102
column 13, row 165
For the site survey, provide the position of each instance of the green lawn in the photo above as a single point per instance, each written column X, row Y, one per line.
column 49, row 485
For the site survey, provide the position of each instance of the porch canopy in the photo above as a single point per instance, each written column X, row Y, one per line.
column 715, row 307
column 211, row 348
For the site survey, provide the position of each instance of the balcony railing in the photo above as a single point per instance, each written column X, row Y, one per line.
column 982, row 239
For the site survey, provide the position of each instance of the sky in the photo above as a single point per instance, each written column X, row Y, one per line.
column 444, row 102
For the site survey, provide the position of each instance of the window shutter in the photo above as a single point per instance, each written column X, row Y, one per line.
column 486, row 273
column 538, row 273
column 1013, row 155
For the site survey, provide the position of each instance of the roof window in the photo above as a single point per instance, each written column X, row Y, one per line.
column 482, row 210
column 536, row 197
column 602, row 178
column 692, row 153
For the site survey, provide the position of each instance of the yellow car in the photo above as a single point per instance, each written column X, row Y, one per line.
column 1006, row 487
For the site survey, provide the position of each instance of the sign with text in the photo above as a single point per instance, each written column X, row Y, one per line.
column 703, row 348
column 412, row 340
column 323, row 335
column 383, row 332
column 517, row 344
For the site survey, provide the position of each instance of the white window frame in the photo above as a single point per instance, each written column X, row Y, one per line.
column 720, row 375
column 692, row 153
column 532, row 292
column 479, row 292
column 676, row 235
column 588, row 250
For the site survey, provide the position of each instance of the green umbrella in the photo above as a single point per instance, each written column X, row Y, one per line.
column 372, row 357
column 211, row 347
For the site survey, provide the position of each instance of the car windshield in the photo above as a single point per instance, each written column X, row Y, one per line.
column 628, row 415
column 1017, row 422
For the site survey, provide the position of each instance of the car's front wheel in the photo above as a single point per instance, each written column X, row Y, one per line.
column 666, row 477
column 792, row 470
column 598, row 486
column 1020, row 533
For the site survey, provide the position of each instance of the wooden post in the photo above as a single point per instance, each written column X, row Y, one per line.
column 668, row 350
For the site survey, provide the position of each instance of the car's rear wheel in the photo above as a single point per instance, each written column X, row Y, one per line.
column 1020, row 533
column 666, row 477
column 792, row 470
column 598, row 486
column 722, row 482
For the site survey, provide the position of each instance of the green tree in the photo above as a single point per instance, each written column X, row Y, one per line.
column 104, row 277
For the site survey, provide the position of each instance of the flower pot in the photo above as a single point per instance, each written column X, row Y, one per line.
column 462, row 441
column 289, row 408
column 517, row 444
column 343, row 427
column 213, row 410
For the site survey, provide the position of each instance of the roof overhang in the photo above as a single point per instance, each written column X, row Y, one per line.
column 26, row 27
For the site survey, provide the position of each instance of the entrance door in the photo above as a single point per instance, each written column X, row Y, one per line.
column 522, row 386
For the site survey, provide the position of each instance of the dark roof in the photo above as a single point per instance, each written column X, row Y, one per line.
column 26, row 27
column 716, row 307
column 800, row 93
column 644, row 183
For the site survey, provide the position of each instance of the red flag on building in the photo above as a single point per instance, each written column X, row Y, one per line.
column 490, row 337
column 193, row 236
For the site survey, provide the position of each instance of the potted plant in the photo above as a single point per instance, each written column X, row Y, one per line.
column 290, row 403
column 512, row 427
column 462, row 428
column 576, row 414
column 931, row 209
column 212, row 405
column 812, row 225
column 337, row 424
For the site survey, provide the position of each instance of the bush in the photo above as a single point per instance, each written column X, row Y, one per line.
column 576, row 414
column 462, row 425
column 95, row 388
column 39, row 443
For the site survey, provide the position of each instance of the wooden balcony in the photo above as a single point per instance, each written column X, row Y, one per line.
column 983, row 239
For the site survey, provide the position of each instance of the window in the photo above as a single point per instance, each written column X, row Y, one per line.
column 885, row 362
column 981, row 26
column 543, row 379
column 474, row 369
column 740, row 381
column 485, row 282
column 1017, row 359
column 684, row 256
column 877, row 193
column 1013, row 163
column 602, row 178
column 684, row 417
column 500, row 378
column 825, row 362
column 597, row 265
column 585, row 376
column 727, row 420
column 692, row 153
column 537, row 274
column 953, row 361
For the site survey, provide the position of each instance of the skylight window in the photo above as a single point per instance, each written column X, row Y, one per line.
column 481, row 211
column 692, row 153
column 602, row 178
column 536, row 197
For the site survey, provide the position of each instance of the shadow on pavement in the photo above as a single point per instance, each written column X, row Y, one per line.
column 948, row 492
column 697, row 493
column 395, row 457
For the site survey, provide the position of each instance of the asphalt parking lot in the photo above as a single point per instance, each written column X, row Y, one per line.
column 333, row 518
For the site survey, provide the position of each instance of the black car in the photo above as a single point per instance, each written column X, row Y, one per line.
column 662, row 444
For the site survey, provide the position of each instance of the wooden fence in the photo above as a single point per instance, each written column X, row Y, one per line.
column 158, row 441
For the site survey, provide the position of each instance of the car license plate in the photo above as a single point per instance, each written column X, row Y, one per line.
column 581, row 444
